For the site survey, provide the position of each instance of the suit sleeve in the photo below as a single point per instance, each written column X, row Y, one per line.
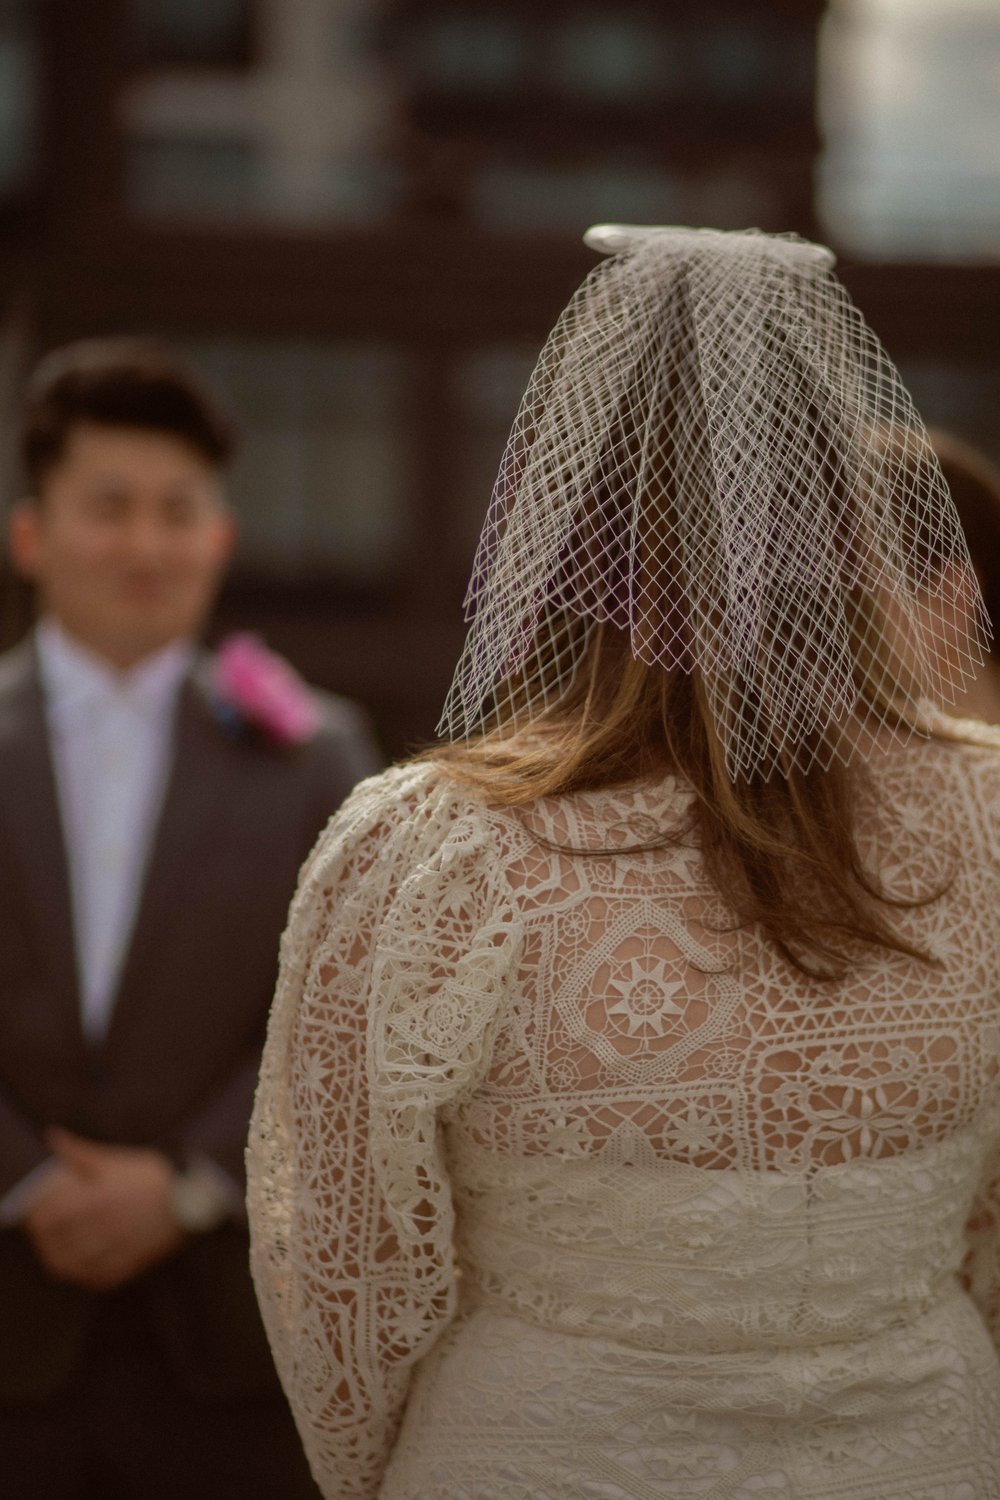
column 345, row 752
column 348, row 752
column 22, row 1154
column 217, row 1133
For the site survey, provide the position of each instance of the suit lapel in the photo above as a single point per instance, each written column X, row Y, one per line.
column 192, row 807
column 29, row 808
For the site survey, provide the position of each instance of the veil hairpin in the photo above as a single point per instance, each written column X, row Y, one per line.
column 612, row 239
column 715, row 455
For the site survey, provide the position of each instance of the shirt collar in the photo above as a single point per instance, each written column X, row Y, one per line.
column 74, row 678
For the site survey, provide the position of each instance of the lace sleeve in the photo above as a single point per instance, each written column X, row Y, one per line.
column 981, row 1271
column 392, row 966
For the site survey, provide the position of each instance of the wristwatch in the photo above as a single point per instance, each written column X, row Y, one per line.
column 198, row 1201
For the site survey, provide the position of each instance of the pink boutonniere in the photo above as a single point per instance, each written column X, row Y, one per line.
column 255, row 687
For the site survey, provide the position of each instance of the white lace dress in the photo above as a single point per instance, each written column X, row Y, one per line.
column 560, row 1192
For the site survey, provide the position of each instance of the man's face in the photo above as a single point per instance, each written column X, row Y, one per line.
column 127, row 541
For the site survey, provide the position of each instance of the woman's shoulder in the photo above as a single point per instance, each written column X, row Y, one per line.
column 950, row 778
column 951, row 748
column 413, row 804
column 399, row 788
column 413, row 788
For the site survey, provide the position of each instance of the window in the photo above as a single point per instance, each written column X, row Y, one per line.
column 489, row 384
column 281, row 120
column 910, row 108
column 18, row 84
column 319, row 479
column 191, row 32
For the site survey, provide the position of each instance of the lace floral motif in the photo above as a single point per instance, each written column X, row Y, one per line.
column 710, row 1217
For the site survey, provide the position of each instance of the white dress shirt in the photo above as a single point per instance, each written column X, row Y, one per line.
column 112, row 746
column 112, row 741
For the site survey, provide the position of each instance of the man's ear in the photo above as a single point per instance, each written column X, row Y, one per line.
column 228, row 534
column 24, row 537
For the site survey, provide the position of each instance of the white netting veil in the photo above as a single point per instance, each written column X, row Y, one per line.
column 715, row 455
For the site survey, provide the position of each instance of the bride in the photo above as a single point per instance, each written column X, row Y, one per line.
column 629, row 1119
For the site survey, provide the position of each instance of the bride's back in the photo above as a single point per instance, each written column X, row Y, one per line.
column 646, row 1013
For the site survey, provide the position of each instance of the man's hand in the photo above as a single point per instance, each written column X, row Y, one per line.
column 103, row 1214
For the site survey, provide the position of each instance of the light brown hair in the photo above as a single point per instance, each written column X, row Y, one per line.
column 783, row 851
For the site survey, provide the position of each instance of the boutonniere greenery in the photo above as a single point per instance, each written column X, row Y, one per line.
column 255, row 690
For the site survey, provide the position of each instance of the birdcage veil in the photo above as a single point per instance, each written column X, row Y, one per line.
column 715, row 455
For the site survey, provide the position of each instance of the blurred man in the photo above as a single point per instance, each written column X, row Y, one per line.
column 151, row 828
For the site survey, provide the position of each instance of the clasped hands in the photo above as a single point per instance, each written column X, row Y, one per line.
column 102, row 1213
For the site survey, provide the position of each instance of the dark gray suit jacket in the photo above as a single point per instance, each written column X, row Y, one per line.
column 178, row 1066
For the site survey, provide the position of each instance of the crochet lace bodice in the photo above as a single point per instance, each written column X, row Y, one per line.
column 508, row 1041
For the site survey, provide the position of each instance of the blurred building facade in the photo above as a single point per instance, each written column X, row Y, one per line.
column 360, row 218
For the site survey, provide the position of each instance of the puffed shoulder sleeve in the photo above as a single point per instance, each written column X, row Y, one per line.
column 394, row 965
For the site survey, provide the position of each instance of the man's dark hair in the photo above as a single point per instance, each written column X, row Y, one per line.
column 119, row 382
